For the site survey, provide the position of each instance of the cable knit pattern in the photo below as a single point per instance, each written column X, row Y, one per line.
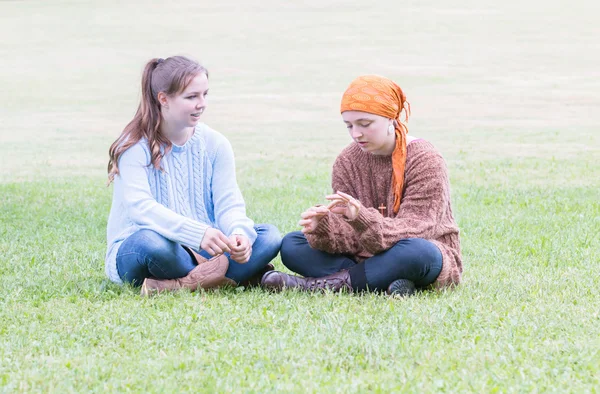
column 162, row 182
column 181, row 183
column 425, row 210
column 162, row 201
column 198, row 168
column 208, row 203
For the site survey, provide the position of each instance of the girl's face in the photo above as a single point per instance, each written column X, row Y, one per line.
column 185, row 108
column 371, row 132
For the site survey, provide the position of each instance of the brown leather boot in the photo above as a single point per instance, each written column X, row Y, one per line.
column 208, row 274
column 278, row 281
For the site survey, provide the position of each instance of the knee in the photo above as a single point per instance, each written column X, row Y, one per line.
column 428, row 251
column 291, row 248
column 151, row 243
column 423, row 261
column 290, row 243
column 270, row 237
column 421, row 252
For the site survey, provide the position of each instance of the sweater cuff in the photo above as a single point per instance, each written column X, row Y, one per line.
column 192, row 233
column 241, row 231
column 323, row 227
column 363, row 221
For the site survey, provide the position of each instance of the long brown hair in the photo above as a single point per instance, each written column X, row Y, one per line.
column 171, row 76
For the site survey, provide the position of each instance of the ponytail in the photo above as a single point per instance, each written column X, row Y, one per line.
column 169, row 76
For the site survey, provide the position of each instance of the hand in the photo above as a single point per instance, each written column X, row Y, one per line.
column 215, row 242
column 311, row 217
column 344, row 204
column 241, row 250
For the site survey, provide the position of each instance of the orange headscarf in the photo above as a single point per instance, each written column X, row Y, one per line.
column 381, row 96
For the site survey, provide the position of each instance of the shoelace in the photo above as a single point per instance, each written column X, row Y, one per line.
column 312, row 284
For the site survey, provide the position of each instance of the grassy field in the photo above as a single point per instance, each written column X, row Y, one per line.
column 508, row 91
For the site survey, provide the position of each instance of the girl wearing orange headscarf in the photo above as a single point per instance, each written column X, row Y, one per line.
column 389, row 224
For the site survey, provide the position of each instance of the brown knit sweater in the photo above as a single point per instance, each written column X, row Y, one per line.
column 425, row 210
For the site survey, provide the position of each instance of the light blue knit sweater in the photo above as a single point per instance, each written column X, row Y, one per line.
column 197, row 190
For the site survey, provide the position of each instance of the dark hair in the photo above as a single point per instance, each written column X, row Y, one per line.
column 170, row 76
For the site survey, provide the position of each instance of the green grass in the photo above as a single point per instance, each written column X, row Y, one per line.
column 507, row 92
column 526, row 317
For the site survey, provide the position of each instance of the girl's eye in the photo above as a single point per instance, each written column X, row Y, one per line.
column 365, row 125
column 192, row 96
column 205, row 94
column 348, row 126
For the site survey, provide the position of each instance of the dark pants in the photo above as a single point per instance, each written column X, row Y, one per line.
column 415, row 259
column 147, row 254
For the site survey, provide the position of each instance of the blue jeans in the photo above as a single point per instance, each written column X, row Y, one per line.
column 146, row 254
column 415, row 259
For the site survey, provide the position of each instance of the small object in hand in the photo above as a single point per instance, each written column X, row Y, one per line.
column 382, row 209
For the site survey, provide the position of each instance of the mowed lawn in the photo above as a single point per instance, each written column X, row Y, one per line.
column 507, row 91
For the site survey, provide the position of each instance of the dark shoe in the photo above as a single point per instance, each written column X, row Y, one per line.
column 278, row 281
column 256, row 278
column 401, row 288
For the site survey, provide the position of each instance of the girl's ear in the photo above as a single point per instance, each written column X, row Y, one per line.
column 162, row 99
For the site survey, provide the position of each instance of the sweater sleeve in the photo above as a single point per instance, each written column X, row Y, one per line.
column 333, row 233
column 423, row 205
column 144, row 211
column 230, row 208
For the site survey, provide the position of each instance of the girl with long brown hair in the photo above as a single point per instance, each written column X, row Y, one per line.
column 178, row 218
